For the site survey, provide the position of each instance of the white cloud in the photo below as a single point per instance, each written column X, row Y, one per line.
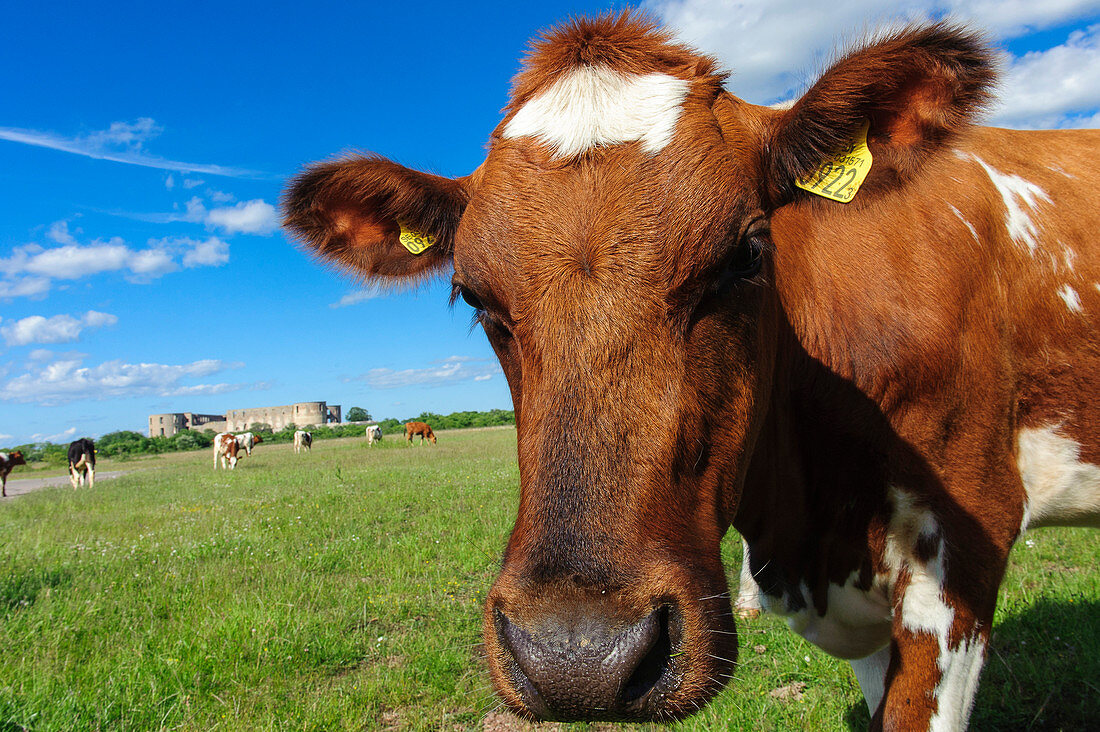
column 59, row 232
column 32, row 287
column 210, row 253
column 776, row 47
column 1058, row 87
column 127, row 135
column 220, row 196
column 40, row 354
column 68, row 262
column 56, row 329
column 149, row 264
column 6, row 437
column 122, row 142
column 190, row 183
column 247, row 217
column 66, row 379
column 448, row 371
column 170, row 182
column 30, row 268
column 357, row 296
column 65, row 436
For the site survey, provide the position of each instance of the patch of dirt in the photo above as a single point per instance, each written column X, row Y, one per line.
column 790, row 692
column 508, row 722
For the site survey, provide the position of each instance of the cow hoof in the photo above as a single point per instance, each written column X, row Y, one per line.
column 748, row 613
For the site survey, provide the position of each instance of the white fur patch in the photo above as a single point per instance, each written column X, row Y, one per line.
column 1070, row 298
column 748, row 592
column 595, row 105
column 924, row 610
column 960, row 668
column 973, row 231
column 871, row 674
column 1017, row 194
column 1061, row 489
column 856, row 622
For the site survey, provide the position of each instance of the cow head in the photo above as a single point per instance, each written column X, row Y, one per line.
column 256, row 439
column 616, row 247
column 15, row 457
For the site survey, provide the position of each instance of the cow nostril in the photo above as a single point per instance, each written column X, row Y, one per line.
column 654, row 664
column 583, row 667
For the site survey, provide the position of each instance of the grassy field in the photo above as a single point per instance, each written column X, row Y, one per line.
column 342, row 590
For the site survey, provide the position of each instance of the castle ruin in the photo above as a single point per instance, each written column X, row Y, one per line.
column 302, row 414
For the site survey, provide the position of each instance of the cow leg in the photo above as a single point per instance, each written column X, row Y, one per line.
column 940, row 630
column 72, row 476
column 871, row 674
column 747, row 605
column 91, row 477
column 932, row 678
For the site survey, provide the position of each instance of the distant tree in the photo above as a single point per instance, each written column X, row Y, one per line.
column 260, row 427
column 357, row 414
column 191, row 440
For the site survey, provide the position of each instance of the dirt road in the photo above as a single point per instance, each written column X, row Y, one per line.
column 26, row 485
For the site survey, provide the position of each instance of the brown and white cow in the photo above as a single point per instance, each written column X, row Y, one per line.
column 880, row 395
column 421, row 429
column 226, row 447
column 303, row 441
column 247, row 441
column 8, row 461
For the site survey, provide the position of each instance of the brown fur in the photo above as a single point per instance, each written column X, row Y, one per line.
column 413, row 429
column 882, row 347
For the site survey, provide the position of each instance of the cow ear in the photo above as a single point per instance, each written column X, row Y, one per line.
column 917, row 88
column 376, row 218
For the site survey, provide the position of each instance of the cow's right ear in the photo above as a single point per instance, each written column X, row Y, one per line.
column 376, row 218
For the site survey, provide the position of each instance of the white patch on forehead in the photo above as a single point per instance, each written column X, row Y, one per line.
column 1062, row 490
column 595, row 105
column 1017, row 194
column 973, row 231
column 1070, row 298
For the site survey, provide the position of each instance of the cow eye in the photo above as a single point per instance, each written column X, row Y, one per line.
column 470, row 299
column 744, row 262
column 749, row 257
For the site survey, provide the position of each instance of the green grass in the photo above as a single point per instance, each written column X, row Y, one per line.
column 342, row 590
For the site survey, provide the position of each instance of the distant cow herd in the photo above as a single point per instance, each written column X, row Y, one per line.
column 228, row 450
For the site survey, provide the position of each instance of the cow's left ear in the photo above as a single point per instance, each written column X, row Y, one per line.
column 376, row 218
column 917, row 88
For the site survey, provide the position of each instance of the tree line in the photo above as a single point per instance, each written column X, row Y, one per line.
column 125, row 444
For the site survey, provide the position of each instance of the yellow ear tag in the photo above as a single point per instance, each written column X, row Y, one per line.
column 414, row 241
column 840, row 177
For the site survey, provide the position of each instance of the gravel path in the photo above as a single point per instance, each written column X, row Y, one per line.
column 26, row 485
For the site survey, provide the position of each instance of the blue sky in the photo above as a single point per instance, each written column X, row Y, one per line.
column 143, row 149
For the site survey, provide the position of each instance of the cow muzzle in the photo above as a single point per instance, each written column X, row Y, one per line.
column 576, row 667
column 609, row 657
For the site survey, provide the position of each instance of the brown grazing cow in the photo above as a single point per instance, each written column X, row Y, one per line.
column 418, row 428
column 879, row 394
column 8, row 460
